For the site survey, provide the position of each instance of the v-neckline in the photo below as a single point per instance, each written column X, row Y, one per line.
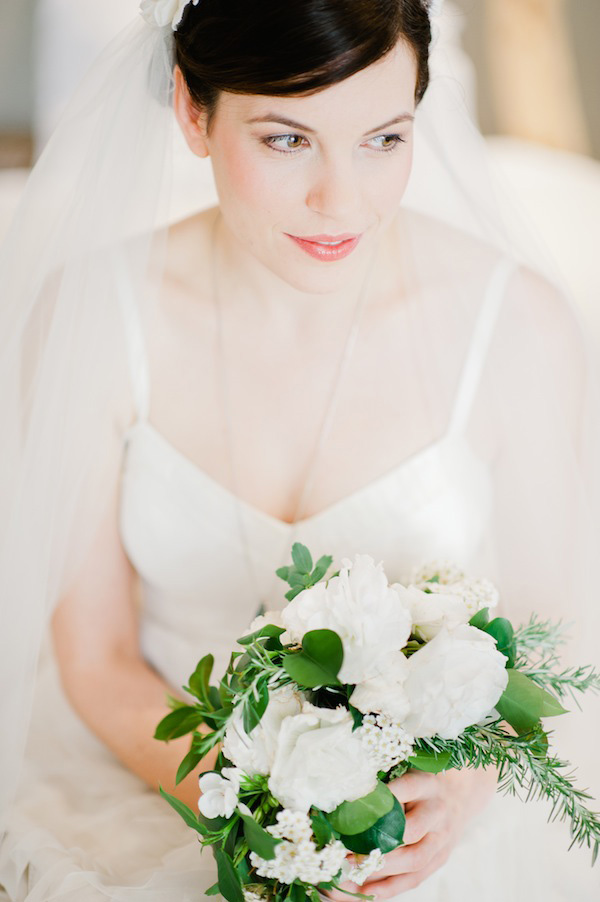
column 284, row 525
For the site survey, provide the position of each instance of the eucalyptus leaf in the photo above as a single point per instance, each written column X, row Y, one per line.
column 199, row 680
column 480, row 619
column 269, row 630
column 321, row 828
column 297, row 893
column 502, row 631
column 230, row 884
column 258, row 839
column 191, row 760
column 179, row 722
column 358, row 816
column 430, row 761
column 254, row 709
column 321, row 568
column 319, row 661
column 186, row 813
column 386, row 834
column 523, row 703
column 302, row 558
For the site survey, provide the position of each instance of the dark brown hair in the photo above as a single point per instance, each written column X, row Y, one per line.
column 293, row 47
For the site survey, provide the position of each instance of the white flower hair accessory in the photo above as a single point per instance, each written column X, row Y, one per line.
column 161, row 13
column 435, row 8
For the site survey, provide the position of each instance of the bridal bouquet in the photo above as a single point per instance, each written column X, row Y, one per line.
column 354, row 682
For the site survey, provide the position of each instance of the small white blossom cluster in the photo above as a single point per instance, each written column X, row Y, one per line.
column 250, row 896
column 296, row 857
column 386, row 741
column 476, row 593
column 361, row 871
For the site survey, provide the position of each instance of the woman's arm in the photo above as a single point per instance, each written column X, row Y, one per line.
column 108, row 683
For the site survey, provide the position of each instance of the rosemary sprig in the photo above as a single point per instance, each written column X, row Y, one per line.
column 523, row 765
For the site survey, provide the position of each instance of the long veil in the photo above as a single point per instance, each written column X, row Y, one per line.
column 111, row 179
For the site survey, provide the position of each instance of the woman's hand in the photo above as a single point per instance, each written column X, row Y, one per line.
column 438, row 808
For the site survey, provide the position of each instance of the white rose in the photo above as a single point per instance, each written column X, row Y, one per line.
column 432, row 611
column 164, row 12
column 219, row 793
column 320, row 761
column 254, row 752
column 367, row 614
column 454, row 681
column 384, row 693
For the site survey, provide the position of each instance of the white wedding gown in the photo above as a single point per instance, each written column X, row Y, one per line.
column 86, row 829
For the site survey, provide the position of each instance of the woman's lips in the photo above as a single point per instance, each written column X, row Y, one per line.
column 327, row 247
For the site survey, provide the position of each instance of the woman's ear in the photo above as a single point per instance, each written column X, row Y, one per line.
column 191, row 121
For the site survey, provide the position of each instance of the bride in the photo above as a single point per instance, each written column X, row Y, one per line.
column 347, row 350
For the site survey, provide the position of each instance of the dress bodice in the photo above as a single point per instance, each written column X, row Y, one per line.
column 181, row 530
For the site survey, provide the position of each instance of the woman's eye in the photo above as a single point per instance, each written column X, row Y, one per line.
column 284, row 143
column 388, row 142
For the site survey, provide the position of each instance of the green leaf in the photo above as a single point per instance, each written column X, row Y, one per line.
column 268, row 630
column 200, row 678
column 188, row 764
column 230, row 884
column 321, row 828
column 179, row 722
column 319, row 662
column 293, row 592
column 523, row 703
column 258, row 839
column 212, row 890
column 301, row 558
column 283, row 573
column 357, row 716
column 480, row 619
column 321, row 568
column 253, row 710
column 430, row 761
column 502, row 631
column 386, row 834
column 297, row 893
column 186, row 813
column 356, row 817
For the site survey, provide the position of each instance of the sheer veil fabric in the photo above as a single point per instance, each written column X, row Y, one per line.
column 97, row 207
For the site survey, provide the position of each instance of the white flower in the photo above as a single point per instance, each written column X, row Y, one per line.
column 219, row 793
column 365, row 866
column 384, row 693
column 454, row 681
column 296, row 857
column 430, row 611
column 385, row 740
column 250, row 896
column 254, row 752
column 164, row 12
column 320, row 761
column 359, row 605
column 448, row 579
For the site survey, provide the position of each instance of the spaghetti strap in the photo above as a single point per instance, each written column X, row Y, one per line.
column 138, row 359
column 480, row 341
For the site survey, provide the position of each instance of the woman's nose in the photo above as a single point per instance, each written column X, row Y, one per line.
column 334, row 190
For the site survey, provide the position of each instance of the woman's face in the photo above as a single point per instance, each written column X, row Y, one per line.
column 328, row 167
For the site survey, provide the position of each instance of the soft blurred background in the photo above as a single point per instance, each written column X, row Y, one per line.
column 530, row 70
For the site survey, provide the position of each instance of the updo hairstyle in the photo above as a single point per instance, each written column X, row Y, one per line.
column 292, row 47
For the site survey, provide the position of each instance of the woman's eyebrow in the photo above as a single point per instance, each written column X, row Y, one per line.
column 283, row 120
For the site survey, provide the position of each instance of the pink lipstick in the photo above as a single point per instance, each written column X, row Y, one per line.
column 327, row 247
